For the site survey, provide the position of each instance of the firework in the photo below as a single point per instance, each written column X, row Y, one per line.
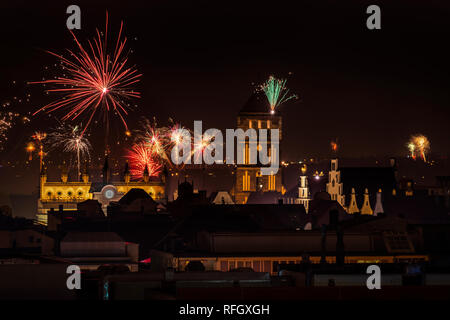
column 200, row 147
column 30, row 148
column 6, row 123
column 276, row 92
column 141, row 157
column 420, row 144
column 94, row 79
column 412, row 150
column 334, row 146
column 39, row 138
column 71, row 139
column 161, row 140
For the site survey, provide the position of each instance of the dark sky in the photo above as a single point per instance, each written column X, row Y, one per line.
column 202, row 59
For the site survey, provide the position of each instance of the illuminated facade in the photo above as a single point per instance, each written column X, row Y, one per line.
column 248, row 177
column 68, row 194
column 334, row 185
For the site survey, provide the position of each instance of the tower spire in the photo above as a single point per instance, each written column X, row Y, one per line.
column 366, row 209
column 353, row 206
column 378, row 205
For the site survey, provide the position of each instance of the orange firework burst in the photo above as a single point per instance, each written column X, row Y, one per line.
column 334, row 146
column 141, row 157
column 420, row 144
column 95, row 80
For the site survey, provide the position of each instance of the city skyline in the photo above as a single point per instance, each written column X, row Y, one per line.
column 371, row 97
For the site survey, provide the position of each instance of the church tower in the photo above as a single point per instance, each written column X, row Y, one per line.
column 248, row 178
column 334, row 185
column 303, row 191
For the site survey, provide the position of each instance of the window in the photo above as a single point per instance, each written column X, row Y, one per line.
column 272, row 185
column 247, row 153
column 246, row 181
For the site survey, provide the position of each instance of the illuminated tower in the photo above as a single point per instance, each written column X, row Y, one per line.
column 334, row 185
column 366, row 209
column 378, row 205
column 303, row 191
column 126, row 173
column 248, row 178
column 353, row 206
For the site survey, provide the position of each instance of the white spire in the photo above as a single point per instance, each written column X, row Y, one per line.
column 378, row 204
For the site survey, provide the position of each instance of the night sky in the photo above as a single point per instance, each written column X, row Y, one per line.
column 201, row 60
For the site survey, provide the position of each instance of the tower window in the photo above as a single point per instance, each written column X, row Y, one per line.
column 272, row 185
column 246, row 181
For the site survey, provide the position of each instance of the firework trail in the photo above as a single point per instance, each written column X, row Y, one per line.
column 420, row 144
column 30, row 148
column 71, row 139
column 39, row 138
column 96, row 80
column 161, row 140
column 6, row 123
column 276, row 92
column 152, row 147
column 201, row 146
column 141, row 157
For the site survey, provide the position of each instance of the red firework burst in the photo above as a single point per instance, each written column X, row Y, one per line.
column 140, row 157
column 96, row 79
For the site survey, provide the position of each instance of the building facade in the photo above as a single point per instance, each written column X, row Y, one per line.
column 248, row 178
column 68, row 194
